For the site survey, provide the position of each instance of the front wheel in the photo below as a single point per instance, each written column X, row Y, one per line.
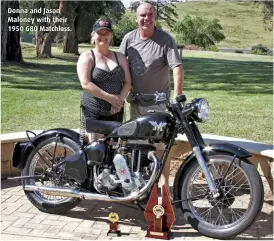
column 240, row 201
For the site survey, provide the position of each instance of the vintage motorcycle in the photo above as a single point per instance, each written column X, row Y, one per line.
column 218, row 190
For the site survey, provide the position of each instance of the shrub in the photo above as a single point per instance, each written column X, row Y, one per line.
column 259, row 49
column 198, row 31
column 239, row 52
column 213, row 48
column 125, row 25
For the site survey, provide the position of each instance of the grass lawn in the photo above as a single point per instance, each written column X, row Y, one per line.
column 239, row 90
column 45, row 93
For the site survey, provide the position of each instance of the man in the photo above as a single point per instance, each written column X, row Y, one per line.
column 151, row 54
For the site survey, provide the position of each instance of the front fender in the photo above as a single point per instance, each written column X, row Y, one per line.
column 22, row 149
column 216, row 147
column 229, row 148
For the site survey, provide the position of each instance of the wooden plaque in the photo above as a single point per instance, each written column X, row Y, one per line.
column 160, row 217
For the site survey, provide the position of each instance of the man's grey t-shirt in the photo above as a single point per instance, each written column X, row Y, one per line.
column 150, row 60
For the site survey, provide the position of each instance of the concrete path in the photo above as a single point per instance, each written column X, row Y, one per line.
column 20, row 220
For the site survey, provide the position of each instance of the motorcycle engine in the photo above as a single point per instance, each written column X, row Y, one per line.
column 106, row 180
column 128, row 169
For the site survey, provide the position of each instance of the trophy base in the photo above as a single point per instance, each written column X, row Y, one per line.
column 158, row 235
column 116, row 233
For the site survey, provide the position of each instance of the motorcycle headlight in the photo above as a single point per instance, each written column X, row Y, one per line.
column 201, row 109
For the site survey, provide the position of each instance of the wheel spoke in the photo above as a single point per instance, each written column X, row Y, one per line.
column 201, row 206
column 235, row 184
column 210, row 207
column 235, row 213
column 206, row 211
column 197, row 190
column 238, row 188
column 199, row 185
column 232, row 174
column 221, row 213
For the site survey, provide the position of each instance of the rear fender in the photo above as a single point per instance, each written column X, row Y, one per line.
column 22, row 149
column 217, row 147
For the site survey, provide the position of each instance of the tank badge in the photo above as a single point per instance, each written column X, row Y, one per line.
column 127, row 129
column 158, row 127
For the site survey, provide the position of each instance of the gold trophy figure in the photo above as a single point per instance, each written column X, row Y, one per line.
column 113, row 225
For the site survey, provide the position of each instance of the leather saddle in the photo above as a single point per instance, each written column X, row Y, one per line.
column 101, row 127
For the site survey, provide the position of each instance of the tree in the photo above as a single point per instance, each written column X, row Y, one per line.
column 199, row 31
column 125, row 25
column 46, row 30
column 267, row 10
column 44, row 38
column 134, row 5
column 70, row 39
column 10, row 40
column 114, row 10
column 83, row 14
column 165, row 10
column 79, row 15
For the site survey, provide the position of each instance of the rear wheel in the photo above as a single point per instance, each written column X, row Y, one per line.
column 52, row 153
column 240, row 201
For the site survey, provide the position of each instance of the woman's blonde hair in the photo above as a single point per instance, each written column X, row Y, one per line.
column 92, row 40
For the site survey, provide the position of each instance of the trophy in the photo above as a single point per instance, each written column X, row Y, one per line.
column 113, row 225
column 159, row 217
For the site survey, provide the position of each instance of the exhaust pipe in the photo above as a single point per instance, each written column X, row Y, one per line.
column 68, row 192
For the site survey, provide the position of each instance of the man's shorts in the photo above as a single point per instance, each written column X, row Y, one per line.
column 137, row 111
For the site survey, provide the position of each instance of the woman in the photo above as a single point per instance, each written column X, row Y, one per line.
column 104, row 76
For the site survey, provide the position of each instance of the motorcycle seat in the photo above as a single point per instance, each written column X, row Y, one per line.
column 101, row 127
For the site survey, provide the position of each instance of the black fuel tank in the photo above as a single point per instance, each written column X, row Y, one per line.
column 151, row 125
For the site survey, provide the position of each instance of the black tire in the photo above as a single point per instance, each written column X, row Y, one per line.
column 36, row 198
column 227, row 230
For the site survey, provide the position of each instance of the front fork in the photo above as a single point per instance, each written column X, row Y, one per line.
column 213, row 189
column 195, row 139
